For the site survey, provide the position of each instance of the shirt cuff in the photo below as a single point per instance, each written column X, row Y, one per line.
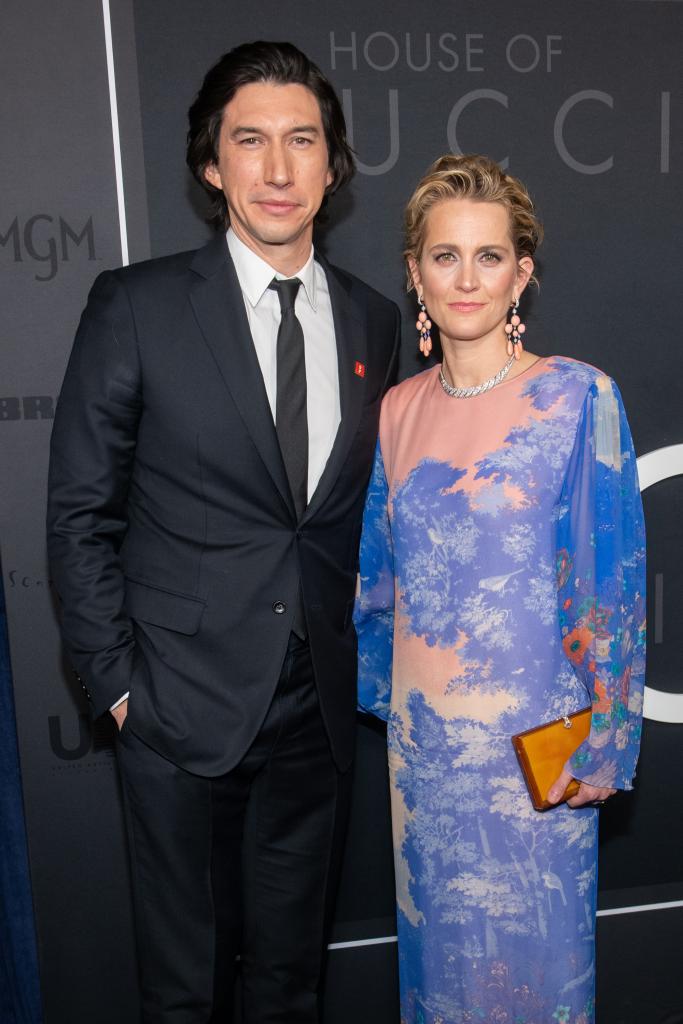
column 120, row 701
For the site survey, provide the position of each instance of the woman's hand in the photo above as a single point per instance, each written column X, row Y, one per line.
column 586, row 795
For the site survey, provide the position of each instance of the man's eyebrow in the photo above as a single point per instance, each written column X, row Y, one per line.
column 311, row 129
column 308, row 129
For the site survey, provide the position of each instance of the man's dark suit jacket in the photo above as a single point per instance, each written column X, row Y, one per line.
column 173, row 538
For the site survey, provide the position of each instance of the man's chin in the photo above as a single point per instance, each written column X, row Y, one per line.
column 279, row 234
column 266, row 232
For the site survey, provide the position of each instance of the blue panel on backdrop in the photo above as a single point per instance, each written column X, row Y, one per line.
column 19, row 989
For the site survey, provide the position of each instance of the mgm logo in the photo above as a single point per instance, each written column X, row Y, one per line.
column 47, row 240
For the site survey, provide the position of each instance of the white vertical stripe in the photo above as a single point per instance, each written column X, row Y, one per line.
column 115, row 133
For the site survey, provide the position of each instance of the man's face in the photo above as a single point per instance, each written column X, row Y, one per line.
column 273, row 165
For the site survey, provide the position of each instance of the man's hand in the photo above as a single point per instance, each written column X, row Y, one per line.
column 586, row 795
column 119, row 714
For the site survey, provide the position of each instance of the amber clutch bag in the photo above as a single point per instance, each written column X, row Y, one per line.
column 543, row 751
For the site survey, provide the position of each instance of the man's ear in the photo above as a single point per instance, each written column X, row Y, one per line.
column 212, row 175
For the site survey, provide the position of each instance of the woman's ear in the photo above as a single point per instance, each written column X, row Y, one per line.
column 414, row 271
column 525, row 268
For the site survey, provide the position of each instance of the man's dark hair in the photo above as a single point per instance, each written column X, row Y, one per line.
column 281, row 64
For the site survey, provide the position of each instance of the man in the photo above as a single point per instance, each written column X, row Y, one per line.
column 210, row 456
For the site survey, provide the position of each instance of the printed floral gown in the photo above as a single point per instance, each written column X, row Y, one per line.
column 502, row 585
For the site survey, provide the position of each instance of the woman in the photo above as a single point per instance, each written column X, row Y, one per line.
column 502, row 586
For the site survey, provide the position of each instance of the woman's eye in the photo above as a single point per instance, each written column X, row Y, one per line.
column 445, row 257
column 490, row 257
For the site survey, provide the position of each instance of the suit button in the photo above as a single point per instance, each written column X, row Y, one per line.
column 279, row 607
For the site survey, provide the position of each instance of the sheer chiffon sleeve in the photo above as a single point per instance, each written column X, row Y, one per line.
column 601, row 586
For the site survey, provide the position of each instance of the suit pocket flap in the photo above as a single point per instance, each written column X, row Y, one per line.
column 148, row 603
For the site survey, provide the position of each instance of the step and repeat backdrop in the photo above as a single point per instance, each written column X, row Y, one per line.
column 584, row 102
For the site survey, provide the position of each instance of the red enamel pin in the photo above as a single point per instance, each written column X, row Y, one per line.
column 359, row 369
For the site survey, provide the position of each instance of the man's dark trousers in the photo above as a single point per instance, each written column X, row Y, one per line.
column 251, row 859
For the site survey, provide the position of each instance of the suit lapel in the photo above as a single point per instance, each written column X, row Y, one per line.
column 219, row 309
column 350, row 336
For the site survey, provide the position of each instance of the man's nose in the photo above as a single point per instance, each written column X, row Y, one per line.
column 277, row 170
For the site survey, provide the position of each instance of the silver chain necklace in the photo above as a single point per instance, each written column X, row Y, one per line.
column 477, row 389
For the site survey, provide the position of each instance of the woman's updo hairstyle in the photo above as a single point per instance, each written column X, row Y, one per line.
column 471, row 177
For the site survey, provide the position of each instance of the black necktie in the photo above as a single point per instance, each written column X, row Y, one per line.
column 291, row 421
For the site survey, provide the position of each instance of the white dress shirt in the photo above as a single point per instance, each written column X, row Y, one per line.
column 314, row 312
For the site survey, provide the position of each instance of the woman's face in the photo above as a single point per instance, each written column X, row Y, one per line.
column 468, row 273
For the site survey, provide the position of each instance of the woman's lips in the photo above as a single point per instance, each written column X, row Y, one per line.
column 465, row 307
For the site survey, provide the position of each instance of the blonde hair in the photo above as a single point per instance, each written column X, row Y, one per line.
column 471, row 177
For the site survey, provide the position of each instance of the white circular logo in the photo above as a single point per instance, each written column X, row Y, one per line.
column 661, row 464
